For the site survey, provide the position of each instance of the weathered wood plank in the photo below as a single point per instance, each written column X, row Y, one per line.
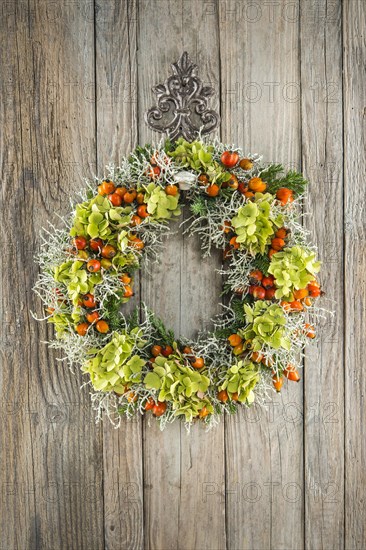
column 354, row 23
column 55, row 455
column 322, row 147
column 18, row 522
column 162, row 450
column 116, row 136
column 202, row 502
column 184, row 291
column 261, row 111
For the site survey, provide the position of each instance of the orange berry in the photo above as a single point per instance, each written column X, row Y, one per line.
column 82, row 329
column 309, row 331
column 270, row 293
column 246, row 164
column 125, row 278
column 107, row 187
column 129, row 196
column 259, row 293
column 234, row 243
column 156, row 350
column 271, row 252
column 203, row 412
column 229, row 159
column 92, row 317
column 277, row 382
column 115, row 199
column 108, row 251
column 159, row 409
column 135, row 220
column 127, row 291
column 235, row 396
column 142, row 211
column 88, row 300
column 140, row 198
column 296, row 306
column 203, row 179
column 281, row 233
column 154, row 172
column 291, row 373
column 171, row 190
column 93, row 266
column 213, row 190
column 257, row 185
column 131, row 397
column 235, row 340
column 284, row 195
column 80, row 242
column 314, row 289
column 150, row 404
column 307, row 302
column 121, row 191
column 136, row 243
column 249, row 194
column 268, row 282
column 301, row 294
column 256, row 276
column 102, row 327
column 96, row 245
column 233, row 182
column 237, row 350
column 256, row 356
column 277, row 244
column 198, row 363
column 226, row 228
column 242, row 188
column 168, row 350
column 222, row 396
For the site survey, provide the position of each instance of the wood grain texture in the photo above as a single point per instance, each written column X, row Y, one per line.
column 354, row 23
column 76, row 81
column 51, row 63
column 322, row 121
column 185, row 291
column 260, row 97
column 116, row 116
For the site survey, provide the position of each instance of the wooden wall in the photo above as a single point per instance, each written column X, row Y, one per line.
column 75, row 83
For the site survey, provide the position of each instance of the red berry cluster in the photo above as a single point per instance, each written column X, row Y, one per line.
column 261, row 287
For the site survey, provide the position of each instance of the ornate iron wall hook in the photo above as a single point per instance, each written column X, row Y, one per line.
column 182, row 107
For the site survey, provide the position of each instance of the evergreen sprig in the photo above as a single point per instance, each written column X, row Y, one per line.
column 292, row 180
column 162, row 333
column 199, row 206
column 262, row 263
column 113, row 314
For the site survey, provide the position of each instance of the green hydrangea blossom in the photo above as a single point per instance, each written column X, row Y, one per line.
column 254, row 224
column 266, row 326
column 179, row 384
column 76, row 279
column 97, row 217
column 61, row 321
column 293, row 269
column 114, row 367
column 199, row 156
column 160, row 205
column 241, row 378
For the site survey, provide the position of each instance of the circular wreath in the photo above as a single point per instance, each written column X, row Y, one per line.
column 133, row 364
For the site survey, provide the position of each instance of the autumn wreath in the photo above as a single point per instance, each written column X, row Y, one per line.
column 133, row 364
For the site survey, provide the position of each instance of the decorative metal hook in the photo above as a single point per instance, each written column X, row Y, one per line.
column 182, row 107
